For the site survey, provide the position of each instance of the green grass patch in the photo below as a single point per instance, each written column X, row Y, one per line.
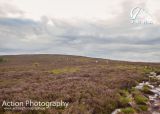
column 148, row 69
column 128, row 110
column 124, row 101
column 8, row 82
column 146, row 90
column 65, row 70
column 124, row 93
column 140, row 99
column 84, row 59
column 2, row 59
column 142, row 108
column 153, row 79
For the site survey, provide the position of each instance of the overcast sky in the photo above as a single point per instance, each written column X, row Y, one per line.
column 95, row 28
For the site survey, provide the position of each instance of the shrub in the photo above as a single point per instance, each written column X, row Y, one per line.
column 135, row 92
column 128, row 110
column 147, row 69
column 153, row 79
column 124, row 101
column 123, row 93
column 146, row 90
column 142, row 107
column 140, row 99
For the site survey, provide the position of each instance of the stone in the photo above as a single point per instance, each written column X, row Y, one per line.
column 158, row 77
column 155, row 91
column 153, row 74
column 116, row 111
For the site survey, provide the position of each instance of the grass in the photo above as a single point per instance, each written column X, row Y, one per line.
column 2, row 59
column 146, row 90
column 142, row 108
column 148, row 69
column 128, row 110
column 123, row 93
column 65, row 70
column 153, row 79
column 124, row 101
column 140, row 99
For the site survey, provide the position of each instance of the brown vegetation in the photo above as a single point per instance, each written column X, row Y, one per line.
column 90, row 85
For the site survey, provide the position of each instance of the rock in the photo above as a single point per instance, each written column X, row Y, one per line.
column 158, row 77
column 155, row 112
column 116, row 111
column 156, row 91
column 146, row 83
column 153, row 74
column 156, row 106
column 152, row 98
column 140, row 86
column 151, row 86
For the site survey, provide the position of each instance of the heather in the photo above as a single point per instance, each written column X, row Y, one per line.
column 90, row 85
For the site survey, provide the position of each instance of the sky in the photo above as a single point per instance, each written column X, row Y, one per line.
column 112, row 29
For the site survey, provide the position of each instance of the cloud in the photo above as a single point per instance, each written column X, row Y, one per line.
column 116, row 38
column 8, row 10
